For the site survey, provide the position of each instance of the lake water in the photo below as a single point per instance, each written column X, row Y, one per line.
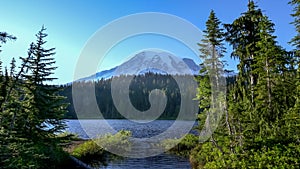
column 139, row 130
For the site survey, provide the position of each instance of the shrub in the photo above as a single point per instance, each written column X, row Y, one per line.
column 93, row 153
column 118, row 142
column 34, row 156
column 180, row 147
column 276, row 155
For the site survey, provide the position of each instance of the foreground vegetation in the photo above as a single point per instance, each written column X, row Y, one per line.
column 261, row 123
column 259, row 129
column 31, row 111
column 94, row 152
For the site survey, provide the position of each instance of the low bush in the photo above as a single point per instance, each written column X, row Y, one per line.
column 95, row 152
column 90, row 152
column 276, row 155
column 181, row 147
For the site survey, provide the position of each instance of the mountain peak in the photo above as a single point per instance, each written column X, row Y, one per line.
column 149, row 61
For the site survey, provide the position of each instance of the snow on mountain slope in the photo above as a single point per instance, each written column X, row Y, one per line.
column 149, row 61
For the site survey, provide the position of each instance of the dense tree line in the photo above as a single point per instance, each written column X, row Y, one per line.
column 139, row 90
column 31, row 111
column 260, row 127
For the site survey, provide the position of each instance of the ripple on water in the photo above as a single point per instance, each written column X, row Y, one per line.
column 163, row 161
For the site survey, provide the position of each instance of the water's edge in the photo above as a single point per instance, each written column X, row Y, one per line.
column 162, row 161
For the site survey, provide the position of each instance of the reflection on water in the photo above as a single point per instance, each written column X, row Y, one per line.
column 163, row 161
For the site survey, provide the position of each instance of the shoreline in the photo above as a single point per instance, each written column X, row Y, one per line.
column 109, row 158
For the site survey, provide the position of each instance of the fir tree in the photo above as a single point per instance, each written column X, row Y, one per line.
column 210, row 80
column 243, row 35
column 264, row 126
column 33, row 110
column 45, row 109
column 294, row 117
column 296, row 40
column 272, row 99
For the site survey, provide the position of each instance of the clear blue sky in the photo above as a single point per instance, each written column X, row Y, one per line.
column 71, row 23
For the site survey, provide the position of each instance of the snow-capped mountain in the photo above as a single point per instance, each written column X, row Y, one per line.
column 149, row 61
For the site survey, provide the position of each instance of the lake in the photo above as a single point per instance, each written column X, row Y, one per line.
column 139, row 130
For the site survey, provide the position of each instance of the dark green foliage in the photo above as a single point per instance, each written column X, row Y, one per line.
column 212, row 52
column 261, row 125
column 210, row 92
column 296, row 14
column 293, row 119
column 140, row 88
column 182, row 147
column 31, row 112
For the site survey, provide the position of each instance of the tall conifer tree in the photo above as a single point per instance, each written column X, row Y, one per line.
column 45, row 109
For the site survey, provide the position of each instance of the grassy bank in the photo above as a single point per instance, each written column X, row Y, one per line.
column 94, row 152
